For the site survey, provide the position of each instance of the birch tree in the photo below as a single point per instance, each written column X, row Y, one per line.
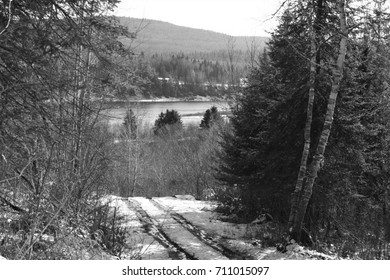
column 305, row 183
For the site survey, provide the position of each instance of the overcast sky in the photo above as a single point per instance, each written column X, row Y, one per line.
column 233, row 17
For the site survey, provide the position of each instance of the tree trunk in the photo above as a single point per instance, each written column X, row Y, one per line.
column 386, row 218
column 318, row 158
column 295, row 197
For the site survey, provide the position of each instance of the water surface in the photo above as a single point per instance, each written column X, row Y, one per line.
column 147, row 112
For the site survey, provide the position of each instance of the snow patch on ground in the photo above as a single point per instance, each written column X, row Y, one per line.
column 184, row 206
column 175, row 232
column 123, row 210
column 245, row 238
column 142, row 245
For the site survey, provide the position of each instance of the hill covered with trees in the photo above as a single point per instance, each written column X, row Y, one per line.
column 162, row 37
column 183, row 62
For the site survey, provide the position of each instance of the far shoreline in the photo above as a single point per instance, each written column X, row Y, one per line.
column 114, row 102
column 167, row 100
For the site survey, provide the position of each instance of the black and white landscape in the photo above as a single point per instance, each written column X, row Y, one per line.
column 139, row 139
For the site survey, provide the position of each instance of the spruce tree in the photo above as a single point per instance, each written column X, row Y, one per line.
column 262, row 155
column 168, row 123
column 210, row 117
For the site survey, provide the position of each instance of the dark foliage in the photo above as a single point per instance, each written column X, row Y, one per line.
column 261, row 158
column 54, row 147
column 167, row 123
column 210, row 117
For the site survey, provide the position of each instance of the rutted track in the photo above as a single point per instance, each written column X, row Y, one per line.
column 203, row 236
column 179, row 236
column 150, row 226
column 164, row 228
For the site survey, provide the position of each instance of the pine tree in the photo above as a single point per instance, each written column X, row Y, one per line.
column 210, row 117
column 263, row 154
column 168, row 123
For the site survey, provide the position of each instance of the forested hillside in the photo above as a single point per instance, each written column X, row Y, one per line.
column 163, row 37
column 184, row 62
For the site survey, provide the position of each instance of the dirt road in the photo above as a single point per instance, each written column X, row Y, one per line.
column 166, row 228
column 159, row 231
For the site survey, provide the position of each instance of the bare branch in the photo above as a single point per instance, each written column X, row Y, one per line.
column 9, row 17
column 12, row 205
column 280, row 7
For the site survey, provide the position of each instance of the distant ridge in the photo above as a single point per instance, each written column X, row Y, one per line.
column 163, row 37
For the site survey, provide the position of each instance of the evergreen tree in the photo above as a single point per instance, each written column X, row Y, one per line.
column 167, row 123
column 210, row 117
column 357, row 143
column 262, row 156
column 306, row 179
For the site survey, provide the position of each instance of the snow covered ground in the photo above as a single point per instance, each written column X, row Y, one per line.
column 184, row 228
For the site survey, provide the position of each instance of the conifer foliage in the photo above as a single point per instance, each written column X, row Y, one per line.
column 168, row 122
column 210, row 117
column 342, row 173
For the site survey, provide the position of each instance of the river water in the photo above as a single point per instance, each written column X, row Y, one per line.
column 147, row 112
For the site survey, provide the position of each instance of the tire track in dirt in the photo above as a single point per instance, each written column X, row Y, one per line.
column 213, row 241
column 175, row 252
column 181, row 235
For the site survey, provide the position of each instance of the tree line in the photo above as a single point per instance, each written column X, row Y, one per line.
column 181, row 76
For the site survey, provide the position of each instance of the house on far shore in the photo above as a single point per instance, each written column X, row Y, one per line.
column 163, row 79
